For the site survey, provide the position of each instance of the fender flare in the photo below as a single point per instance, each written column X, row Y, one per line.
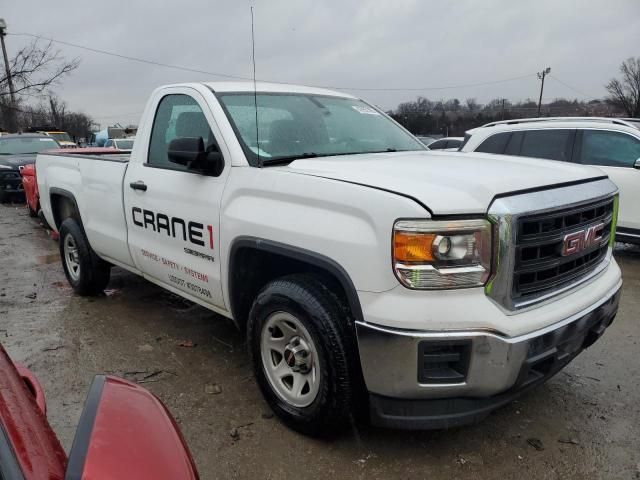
column 69, row 196
column 302, row 255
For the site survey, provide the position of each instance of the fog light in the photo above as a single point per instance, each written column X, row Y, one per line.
column 443, row 361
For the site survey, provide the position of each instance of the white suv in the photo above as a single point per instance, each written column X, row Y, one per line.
column 611, row 144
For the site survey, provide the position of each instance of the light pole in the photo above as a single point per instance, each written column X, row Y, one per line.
column 541, row 76
column 12, row 106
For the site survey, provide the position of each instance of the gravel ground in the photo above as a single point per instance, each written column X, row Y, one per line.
column 584, row 423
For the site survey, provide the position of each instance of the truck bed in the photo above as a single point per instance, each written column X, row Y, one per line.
column 94, row 181
column 92, row 155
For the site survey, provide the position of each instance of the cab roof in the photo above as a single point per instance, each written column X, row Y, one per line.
column 268, row 87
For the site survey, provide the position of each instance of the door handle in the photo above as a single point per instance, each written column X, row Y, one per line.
column 139, row 185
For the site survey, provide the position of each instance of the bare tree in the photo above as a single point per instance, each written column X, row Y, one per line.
column 55, row 111
column 472, row 105
column 34, row 69
column 625, row 93
column 420, row 105
column 58, row 110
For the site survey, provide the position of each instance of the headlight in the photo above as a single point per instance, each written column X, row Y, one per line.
column 442, row 254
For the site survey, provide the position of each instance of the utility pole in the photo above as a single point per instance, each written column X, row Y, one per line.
column 12, row 106
column 541, row 76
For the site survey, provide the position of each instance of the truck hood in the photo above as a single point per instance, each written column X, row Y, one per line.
column 446, row 183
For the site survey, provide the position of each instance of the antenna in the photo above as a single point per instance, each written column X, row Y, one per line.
column 255, row 92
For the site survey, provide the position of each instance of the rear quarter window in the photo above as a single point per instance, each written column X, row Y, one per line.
column 495, row 143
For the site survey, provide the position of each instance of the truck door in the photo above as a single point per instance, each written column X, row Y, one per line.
column 173, row 211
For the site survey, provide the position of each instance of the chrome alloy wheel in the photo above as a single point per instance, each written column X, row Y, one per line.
column 71, row 257
column 290, row 359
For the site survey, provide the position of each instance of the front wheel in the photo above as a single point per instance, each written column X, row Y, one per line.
column 302, row 351
column 86, row 272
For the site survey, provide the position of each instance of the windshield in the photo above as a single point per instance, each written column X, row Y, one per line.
column 124, row 144
column 60, row 136
column 16, row 145
column 298, row 125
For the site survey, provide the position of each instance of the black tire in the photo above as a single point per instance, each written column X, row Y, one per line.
column 93, row 273
column 318, row 308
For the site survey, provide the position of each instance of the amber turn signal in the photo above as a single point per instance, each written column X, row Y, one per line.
column 411, row 247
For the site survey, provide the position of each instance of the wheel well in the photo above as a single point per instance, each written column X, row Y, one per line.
column 62, row 208
column 251, row 267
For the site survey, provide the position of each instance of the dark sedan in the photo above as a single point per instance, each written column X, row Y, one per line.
column 16, row 151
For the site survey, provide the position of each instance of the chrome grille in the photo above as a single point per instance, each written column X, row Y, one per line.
column 540, row 266
column 530, row 227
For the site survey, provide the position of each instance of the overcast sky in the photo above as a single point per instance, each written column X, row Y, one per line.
column 347, row 44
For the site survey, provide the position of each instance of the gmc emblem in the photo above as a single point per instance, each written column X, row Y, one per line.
column 578, row 241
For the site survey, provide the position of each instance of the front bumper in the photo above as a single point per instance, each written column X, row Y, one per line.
column 10, row 182
column 498, row 368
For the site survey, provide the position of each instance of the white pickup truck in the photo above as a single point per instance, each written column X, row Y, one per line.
column 429, row 287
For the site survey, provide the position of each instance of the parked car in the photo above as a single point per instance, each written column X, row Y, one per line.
column 612, row 145
column 426, row 140
column 30, row 187
column 121, row 144
column 448, row 143
column 434, row 287
column 124, row 432
column 63, row 138
column 16, row 151
column 30, row 184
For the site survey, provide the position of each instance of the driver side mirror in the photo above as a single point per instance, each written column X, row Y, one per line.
column 190, row 152
column 637, row 164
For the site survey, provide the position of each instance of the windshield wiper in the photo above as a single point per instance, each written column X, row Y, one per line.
column 291, row 158
column 287, row 159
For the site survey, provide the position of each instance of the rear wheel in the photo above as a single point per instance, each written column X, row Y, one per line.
column 301, row 349
column 86, row 272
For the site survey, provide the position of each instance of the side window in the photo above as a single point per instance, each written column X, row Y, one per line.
column 437, row 145
column 494, row 144
column 177, row 116
column 611, row 149
column 549, row 144
column 454, row 143
column 514, row 144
